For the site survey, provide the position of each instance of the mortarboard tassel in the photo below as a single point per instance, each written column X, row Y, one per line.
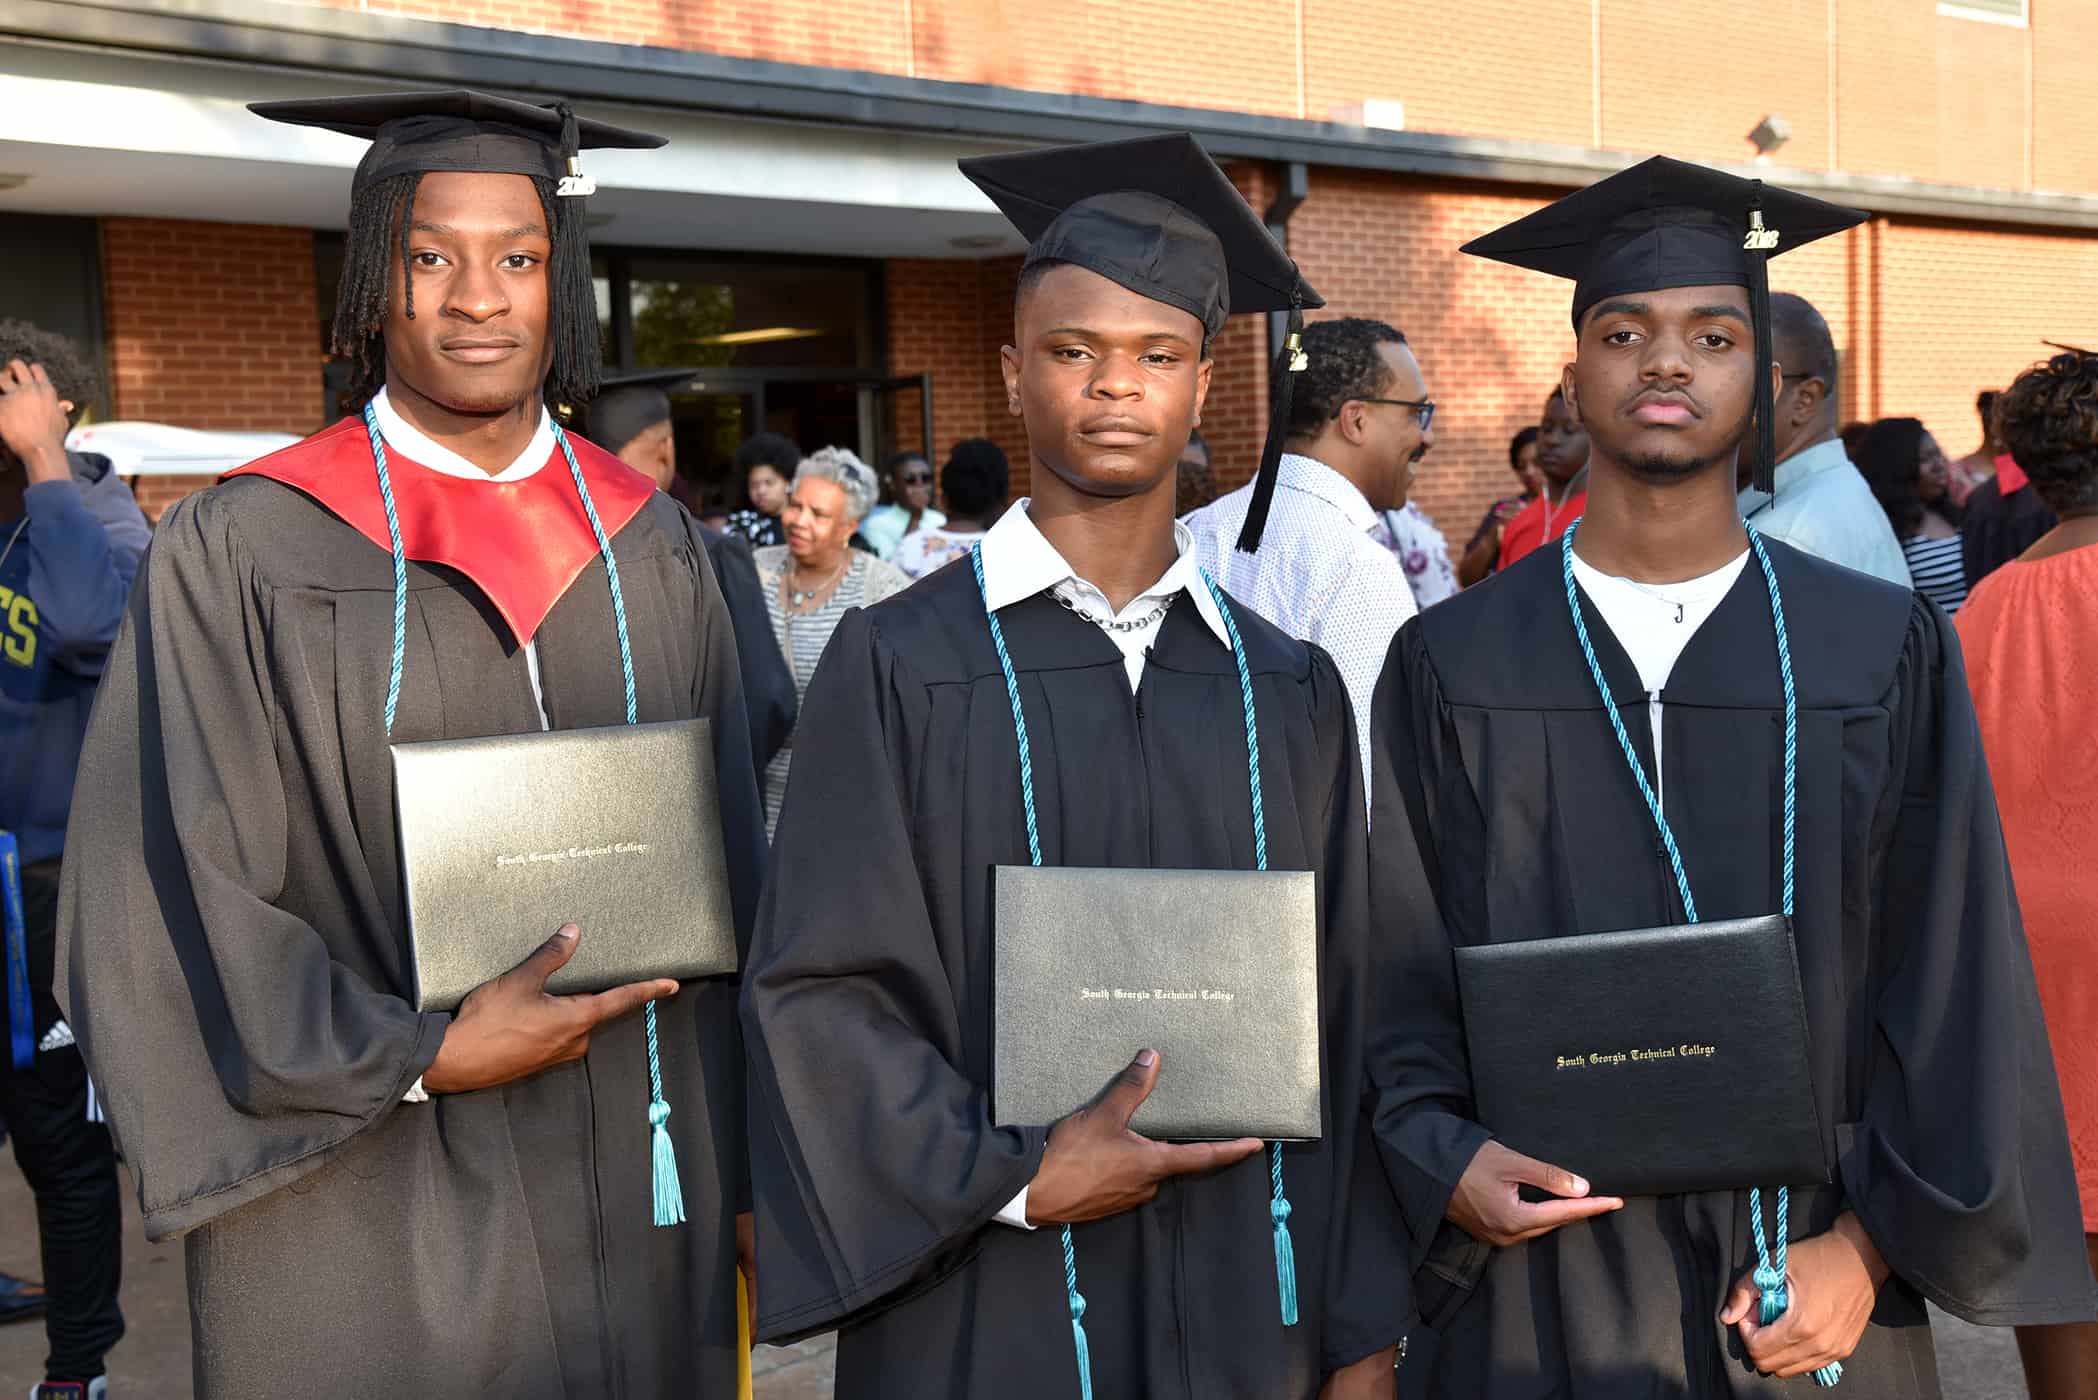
column 1759, row 243
column 574, row 184
column 1282, row 381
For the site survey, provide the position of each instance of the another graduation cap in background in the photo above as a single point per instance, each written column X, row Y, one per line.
column 1667, row 223
column 1157, row 216
column 413, row 134
column 628, row 405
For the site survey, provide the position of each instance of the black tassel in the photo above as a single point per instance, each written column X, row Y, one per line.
column 1757, row 247
column 578, row 364
column 1282, row 386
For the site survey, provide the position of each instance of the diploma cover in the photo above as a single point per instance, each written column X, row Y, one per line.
column 1215, row 969
column 1651, row 1061
column 506, row 838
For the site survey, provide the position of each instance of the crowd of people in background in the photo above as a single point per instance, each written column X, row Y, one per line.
column 2005, row 538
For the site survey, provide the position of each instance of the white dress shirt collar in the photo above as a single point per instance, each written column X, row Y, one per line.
column 1019, row 562
column 1313, row 477
column 403, row 436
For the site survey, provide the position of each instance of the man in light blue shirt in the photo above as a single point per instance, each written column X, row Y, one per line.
column 1822, row 505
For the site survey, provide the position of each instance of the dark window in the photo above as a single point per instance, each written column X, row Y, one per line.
column 51, row 276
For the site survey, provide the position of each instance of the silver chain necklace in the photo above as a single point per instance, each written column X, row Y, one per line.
column 1656, row 594
column 1110, row 624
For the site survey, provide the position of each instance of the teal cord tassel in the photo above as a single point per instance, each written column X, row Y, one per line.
column 1077, row 1303
column 1285, row 1252
column 670, row 1195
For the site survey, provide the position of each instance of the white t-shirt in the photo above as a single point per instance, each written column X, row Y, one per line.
column 1653, row 622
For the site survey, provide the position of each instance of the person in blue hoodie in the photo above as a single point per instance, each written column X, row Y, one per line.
column 70, row 540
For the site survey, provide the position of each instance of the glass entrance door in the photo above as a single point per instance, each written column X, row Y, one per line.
column 718, row 409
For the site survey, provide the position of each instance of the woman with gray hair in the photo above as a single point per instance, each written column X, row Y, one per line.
column 812, row 579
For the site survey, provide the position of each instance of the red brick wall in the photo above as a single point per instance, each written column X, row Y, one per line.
column 1879, row 86
column 210, row 326
column 1923, row 316
column 1963, row 310
column 951, row 317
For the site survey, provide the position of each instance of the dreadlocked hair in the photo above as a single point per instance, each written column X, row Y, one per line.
column 382, row 216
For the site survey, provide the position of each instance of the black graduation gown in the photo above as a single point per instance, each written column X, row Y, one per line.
column 1504, row 809
column 768, row 686
column 235, row 965
column 867, row 1011
column 1998, row 528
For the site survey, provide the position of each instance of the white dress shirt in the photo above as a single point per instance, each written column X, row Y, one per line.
column 1824, row 507
column 1653, row 622
column 1319, row 574
column 1019, row 562
column 419, row 450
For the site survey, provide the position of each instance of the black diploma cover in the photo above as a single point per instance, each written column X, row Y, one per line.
column 1215, row 969
column 506, row 838
column 1651, row 1061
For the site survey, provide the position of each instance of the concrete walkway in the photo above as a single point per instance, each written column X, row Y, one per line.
column 152, row 1362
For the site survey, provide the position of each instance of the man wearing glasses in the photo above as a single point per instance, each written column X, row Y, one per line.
column 1325, row 571
column 1822, row 504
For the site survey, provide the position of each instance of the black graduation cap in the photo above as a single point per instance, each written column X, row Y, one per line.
column 1155, row 214
column 630, row 404
column 1667, row 223
column 457, row 129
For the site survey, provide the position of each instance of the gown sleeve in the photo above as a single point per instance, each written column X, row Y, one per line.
column 233, row 1053
column 723, row 682
column 768, row 686
column 1368, row 1288
column 1958, row 1165
column 874, row 1159
column 1420, row 1078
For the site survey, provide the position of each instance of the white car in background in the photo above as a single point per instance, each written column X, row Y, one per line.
column 157, row 449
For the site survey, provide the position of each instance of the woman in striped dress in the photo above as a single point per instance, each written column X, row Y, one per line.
column 1908, row 474
column 816, row 576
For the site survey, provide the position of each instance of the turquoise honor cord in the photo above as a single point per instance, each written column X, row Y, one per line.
column 668, row 1199
column 1770, row 1273
column 1278, row 1204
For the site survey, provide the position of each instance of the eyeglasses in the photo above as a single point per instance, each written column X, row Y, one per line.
column 916, row 478
column 1423, row 409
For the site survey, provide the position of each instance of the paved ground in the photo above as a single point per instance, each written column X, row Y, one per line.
column 153, row 1361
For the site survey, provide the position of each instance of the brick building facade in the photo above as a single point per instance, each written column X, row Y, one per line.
column 1958, row 126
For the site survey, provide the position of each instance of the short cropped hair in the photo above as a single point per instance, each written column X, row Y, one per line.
column 774, row 450
column 975, row 478
column 2049, row 418
column 1344, row 364
column 72, row 377
column 843, row 468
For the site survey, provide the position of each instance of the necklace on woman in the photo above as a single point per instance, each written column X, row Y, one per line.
column 1112, row 624
column 798, row 599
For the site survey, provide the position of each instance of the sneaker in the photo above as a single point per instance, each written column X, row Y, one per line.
column 96, row 1389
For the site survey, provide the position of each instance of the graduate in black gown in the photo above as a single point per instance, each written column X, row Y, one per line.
column 890, row 1204
column 630, row 418
column 375, row 1201
column 1505, row 809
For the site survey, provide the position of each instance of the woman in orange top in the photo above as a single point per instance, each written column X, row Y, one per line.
column 2026, row 631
